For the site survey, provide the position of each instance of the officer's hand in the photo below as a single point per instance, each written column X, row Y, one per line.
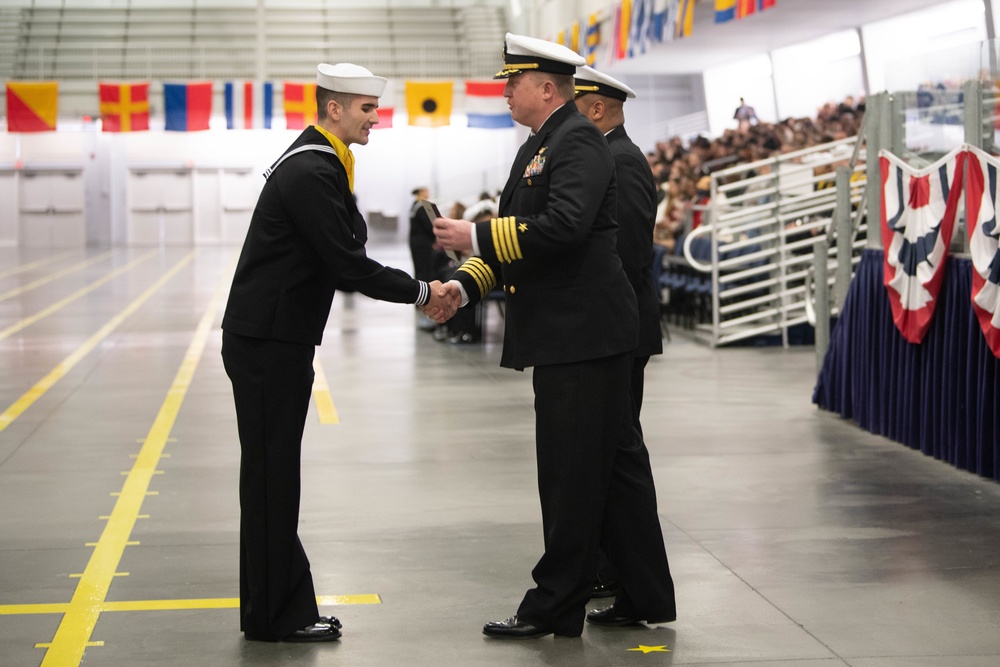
column 453, row 234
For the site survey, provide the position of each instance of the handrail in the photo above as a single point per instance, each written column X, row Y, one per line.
column 761, row 243
column 704, row 268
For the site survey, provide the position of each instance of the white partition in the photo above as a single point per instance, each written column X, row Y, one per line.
column 51, row 211
column 9, row 209
column 160, row 206
column 239, row 189
column 224, row 199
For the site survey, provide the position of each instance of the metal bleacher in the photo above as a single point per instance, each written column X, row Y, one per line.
column 258, row 40
column 747, row 271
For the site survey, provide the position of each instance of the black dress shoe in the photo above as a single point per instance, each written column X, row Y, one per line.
column 604, row 588
column 513, row 628
column 609, row 617
column 326, row 629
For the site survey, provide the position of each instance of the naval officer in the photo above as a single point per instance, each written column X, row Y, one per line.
column 572, row 316
column 601, row 98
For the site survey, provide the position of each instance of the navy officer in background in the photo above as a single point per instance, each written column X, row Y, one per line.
column 306, row 240
column 601, row 99
column 572, row 316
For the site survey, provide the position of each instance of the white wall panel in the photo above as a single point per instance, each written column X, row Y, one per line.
column 51, row 208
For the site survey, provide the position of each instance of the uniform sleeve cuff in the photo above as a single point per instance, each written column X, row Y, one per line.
column 424, row 295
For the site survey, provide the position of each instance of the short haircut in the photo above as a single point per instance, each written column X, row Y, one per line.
column 565, row 84
column 323, row 96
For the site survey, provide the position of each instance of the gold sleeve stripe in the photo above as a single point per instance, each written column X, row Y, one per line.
column 481, row 273
column 481, row 281
column 513, row 239
column 505, row 236
column 495, row 230
column 505, row 240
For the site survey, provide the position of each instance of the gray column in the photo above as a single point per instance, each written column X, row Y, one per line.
column 877, row 111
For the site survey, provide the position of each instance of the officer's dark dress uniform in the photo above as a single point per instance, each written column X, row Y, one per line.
column 572, row 315
column 306, row 240
column 636, row 219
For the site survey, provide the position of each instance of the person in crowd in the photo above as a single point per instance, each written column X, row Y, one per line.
column 306, row 239
column 430, row 262
column 572, row 316
column 745, row 116
column 687, row 163
column 601, row 99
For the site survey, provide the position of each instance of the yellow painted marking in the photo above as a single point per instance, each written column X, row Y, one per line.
column 170, row 605
column 26, row 609
column 325, row 408
column 77, row 625
column 53, row 276
column 28, row 321
column 226, row 603
column 34, row 265
column 331, row 600
column 67, row 364
column 142, row 440
column 650, row 649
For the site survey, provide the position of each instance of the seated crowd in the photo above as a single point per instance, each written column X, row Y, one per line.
column 682, row 171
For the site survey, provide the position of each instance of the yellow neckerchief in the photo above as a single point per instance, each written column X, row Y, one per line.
column 343, row 152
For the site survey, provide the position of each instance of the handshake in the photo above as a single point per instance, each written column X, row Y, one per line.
column 446, row 298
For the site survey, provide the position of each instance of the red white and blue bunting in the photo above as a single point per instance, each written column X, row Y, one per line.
column 918, row 219
column 984, row 242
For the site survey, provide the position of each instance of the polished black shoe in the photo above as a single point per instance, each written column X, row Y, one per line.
column 609, row 617
column 513, row 628
column 604, row 588
column 326, row 629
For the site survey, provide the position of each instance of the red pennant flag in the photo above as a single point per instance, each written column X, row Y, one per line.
column 32, row 106
column 745, row 8
column 385, row 115
column 300, row 105
column 188, row 106
column 124, row 106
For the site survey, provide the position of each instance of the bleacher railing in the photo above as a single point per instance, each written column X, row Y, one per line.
column 757, row 241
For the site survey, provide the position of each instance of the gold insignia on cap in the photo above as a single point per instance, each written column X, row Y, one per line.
column 514, row 68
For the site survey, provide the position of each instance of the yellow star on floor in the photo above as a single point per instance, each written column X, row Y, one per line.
column 651, row 649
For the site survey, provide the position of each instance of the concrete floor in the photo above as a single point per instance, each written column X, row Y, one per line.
column 795, row 538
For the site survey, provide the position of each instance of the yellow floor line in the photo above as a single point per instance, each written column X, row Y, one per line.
column 171, row 605
column 28, row 321
column 325, row 408
column 37, row 263
column 28, row 398
column 53, row 276
column 26, row 609
column 73, row 634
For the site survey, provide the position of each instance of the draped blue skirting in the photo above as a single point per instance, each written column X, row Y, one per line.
column 941, row 396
